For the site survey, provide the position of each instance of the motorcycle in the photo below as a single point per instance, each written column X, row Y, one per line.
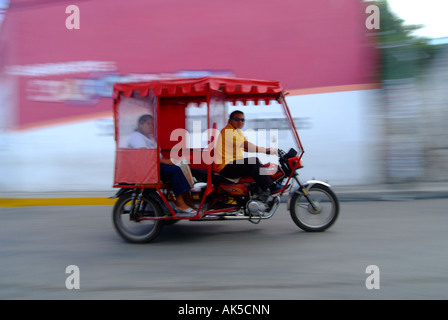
column 145, row 203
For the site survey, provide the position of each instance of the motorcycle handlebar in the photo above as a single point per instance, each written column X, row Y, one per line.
column 291, row 153
column 281, row 153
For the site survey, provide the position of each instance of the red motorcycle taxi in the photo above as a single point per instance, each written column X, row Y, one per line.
column 145, row 203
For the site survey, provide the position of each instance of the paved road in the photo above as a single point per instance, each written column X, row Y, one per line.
column 228, row 260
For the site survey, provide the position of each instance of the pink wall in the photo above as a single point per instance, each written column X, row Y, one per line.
column 303, row 44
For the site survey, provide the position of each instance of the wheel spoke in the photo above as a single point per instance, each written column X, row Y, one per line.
column 319, row 216
column 130, row 226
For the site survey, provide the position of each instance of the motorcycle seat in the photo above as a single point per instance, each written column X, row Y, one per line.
column 222, row 179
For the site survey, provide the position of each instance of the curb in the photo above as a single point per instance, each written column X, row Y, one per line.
column 36, row 202
column 391, row 196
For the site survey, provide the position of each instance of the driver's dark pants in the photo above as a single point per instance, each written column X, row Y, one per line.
column 247, row 167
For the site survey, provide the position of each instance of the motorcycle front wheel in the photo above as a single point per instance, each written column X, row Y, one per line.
column 129, row 218
column 317, row 211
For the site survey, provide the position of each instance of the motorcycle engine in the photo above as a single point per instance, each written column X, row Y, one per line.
column 255, row 207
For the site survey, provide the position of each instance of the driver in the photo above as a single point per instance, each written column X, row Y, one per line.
column 230, row 161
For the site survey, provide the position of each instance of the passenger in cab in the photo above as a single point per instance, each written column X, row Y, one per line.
column 143, row 137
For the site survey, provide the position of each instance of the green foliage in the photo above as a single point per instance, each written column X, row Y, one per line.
column 403, row 54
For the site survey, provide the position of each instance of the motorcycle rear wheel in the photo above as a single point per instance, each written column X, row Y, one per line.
column 133, row 228
column 320, row 217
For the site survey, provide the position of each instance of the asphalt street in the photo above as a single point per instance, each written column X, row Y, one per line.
column 404, row 241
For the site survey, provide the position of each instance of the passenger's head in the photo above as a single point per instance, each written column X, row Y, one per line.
column 145, row 125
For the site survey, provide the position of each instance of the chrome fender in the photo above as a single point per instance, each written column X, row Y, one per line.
column 307, row 185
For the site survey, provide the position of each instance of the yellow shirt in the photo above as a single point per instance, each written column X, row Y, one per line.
column 230, row 146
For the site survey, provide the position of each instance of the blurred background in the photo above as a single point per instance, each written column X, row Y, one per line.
column 367, row 89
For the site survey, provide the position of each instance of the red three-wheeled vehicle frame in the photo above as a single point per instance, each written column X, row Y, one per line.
column 144, row 202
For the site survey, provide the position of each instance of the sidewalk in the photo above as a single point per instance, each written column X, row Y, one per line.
column 383, row 192
column 390, row 192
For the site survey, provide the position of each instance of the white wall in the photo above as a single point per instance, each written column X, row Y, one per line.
column 344, row 141
column 341, row 137
column 70, row 157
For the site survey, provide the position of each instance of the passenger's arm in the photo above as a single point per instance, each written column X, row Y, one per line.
column 166, row 161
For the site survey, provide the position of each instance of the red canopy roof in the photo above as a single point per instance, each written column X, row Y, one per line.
column 234, row 88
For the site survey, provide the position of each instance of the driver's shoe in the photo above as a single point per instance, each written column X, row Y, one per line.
column 276, row 188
